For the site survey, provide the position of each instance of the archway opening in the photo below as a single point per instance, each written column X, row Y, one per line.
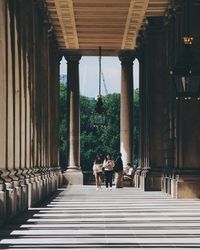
column 97, row 140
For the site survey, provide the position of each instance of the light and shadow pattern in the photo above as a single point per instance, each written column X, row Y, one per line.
column 80, row 217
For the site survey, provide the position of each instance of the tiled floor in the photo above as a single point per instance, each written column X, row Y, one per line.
column 83, row 218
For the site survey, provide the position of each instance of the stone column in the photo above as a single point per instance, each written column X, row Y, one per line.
column 39, row 104
column 32, row 184
column 17, row 108
column 154, row 101
column 24, row 114
column 54, row 64
column 56, row 83
column 33, row 147
column 74, row 120
column 42, row 97
column 23, row 93
column 126, row 114
column 142, row 137
column 10, row 185
column 74, row 117
column 57, row 153
column 17, row 101
column 3, row 113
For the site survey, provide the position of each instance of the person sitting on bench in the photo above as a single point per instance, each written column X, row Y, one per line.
column 129, row 174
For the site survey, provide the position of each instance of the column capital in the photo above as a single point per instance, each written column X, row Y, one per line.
column 73, row 58
column 127, row 57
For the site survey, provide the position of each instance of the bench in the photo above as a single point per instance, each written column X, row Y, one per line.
column 129, row 179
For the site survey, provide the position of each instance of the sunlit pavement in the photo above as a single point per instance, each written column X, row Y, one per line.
column 83, row 218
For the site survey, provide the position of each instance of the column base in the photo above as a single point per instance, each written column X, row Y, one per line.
column 185, row 189
column 137, row 177
column 18, row 196
column 185, row 184
column 73, row 168
column 10, row 200
column 2, row 203
column 151, row 179
column 166, row 184
column 73, row 177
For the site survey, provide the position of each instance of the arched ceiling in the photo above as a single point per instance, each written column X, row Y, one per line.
column 112, row 24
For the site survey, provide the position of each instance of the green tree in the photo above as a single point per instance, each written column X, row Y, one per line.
column 94, row 140
column 110, row 134
column 63, row 124
column 99, row 140
column 136, row 129
column 87, row 133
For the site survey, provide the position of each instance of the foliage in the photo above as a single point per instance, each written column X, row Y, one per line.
column 63, row 125
column 87, row 134
column 110, row 138
column 136, row 122
column 97, row 140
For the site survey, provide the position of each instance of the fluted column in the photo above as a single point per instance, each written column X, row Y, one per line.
column 35, row 171
column 74, row 115
column 11, row 91
column 142, row 159
column 154, row 95
column 73, row 174
column 57, row 153
column 3, row 112
column 17, row 41
column 23, row 93
column 55, row 101
column 126, row 108
column 3, row 88
column 23, row 106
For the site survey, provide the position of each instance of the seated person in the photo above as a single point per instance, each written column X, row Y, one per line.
column 129, row 173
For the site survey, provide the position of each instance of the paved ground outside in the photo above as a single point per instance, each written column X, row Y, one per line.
column 83, row 218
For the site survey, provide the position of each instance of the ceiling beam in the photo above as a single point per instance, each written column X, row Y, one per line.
column 66, row 13
column 129, row 40
column 112, row 24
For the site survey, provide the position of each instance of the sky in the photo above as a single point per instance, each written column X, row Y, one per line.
column 89, row 74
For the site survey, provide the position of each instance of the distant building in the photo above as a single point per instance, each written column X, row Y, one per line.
column 63, row 79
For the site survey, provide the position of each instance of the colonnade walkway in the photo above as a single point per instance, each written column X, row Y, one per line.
column 79, row 217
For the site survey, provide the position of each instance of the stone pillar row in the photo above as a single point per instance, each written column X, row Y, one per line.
column 29, row 98
column 169, row 125
column 182, row 168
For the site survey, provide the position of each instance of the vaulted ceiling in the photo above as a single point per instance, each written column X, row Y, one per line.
column 112, row 24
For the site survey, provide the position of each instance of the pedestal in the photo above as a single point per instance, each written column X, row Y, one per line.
column 151, row 179
column 2, row 204
column 137, row 178
column 73, row 177
column 188, row 188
